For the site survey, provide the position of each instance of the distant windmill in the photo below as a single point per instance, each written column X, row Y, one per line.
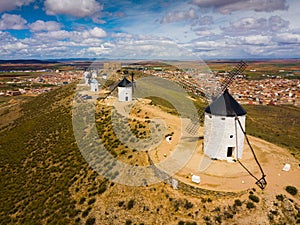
column 125, row 88
column 94, row 85
column 224, row 126
column 87, row 76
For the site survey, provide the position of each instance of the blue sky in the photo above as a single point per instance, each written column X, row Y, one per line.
column 192, row 29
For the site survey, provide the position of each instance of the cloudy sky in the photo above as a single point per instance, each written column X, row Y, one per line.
column 207, row 29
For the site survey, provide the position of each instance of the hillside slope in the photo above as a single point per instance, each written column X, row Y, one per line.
column 277, row 124
column 45, row 180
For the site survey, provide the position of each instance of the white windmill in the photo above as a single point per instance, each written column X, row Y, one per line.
column 224, row 127
column 87, row 77
column 125, row 90
column 223, row 137
column 94, row 85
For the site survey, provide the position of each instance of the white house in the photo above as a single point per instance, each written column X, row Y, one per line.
column 94, row 84
column 223, row 136
column 125, row 90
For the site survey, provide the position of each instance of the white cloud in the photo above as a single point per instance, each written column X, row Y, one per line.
column 96, row 32
column 6, row 37
column 100, row 50
column 251, row 25
column 7, row 5
column 204, row 33
column 276, row 23
column 121, row 35
column 13, row 22
column 77, row 36
column 57, row 35
column 229, row 6
column 255, row 40
column 177, row 16
column 14, row 46
column 40, row 25
column 288, row 38
column 76, row 8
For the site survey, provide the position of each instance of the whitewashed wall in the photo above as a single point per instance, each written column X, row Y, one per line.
column 124, row 92
column 220, row 133
column 94, row 87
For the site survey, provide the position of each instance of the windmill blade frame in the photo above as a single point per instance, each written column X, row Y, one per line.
column 238, row 69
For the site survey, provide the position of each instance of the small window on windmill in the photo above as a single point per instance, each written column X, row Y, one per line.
column 223, row 118
column 231, row 136
column 210, row 116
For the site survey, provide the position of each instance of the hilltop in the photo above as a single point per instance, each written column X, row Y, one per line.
column 45, row 180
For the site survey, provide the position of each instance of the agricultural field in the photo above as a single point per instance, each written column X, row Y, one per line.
column 261, row 69
column 277, row 124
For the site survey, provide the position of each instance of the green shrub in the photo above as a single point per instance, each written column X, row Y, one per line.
column 206, row 218
column 102, row 188
column 250, row 205
column 218, row 219
column 120, row 203
column 123, row 152
column 291, row 189
column 280, row 197
column 274, row 212
column 254, row 198
column 85, row 213
column 237, row 202
column 190, row 223
column 91, row 201
column 82, row 200
column 228, row 215
column 188, row 204
column 90, row 221
column 130, row 204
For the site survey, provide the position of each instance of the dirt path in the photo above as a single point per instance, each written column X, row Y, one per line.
column 222, row 175
column 226, row 176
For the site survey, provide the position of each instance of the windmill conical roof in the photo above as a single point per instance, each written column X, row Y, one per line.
column 95, row 81
column 124, row 83
column 225, row 105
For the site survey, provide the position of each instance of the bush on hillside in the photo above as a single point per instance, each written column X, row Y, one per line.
column 291, row 189
column 254, row 198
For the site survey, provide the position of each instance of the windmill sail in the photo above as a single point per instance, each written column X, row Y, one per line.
column 238, row 69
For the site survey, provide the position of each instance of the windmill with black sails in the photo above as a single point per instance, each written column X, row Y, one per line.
column 194, row 125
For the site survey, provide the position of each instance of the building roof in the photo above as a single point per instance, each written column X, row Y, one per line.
column 87, row 74
column 124, row 83
column 225, row 105
column 94, row 81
